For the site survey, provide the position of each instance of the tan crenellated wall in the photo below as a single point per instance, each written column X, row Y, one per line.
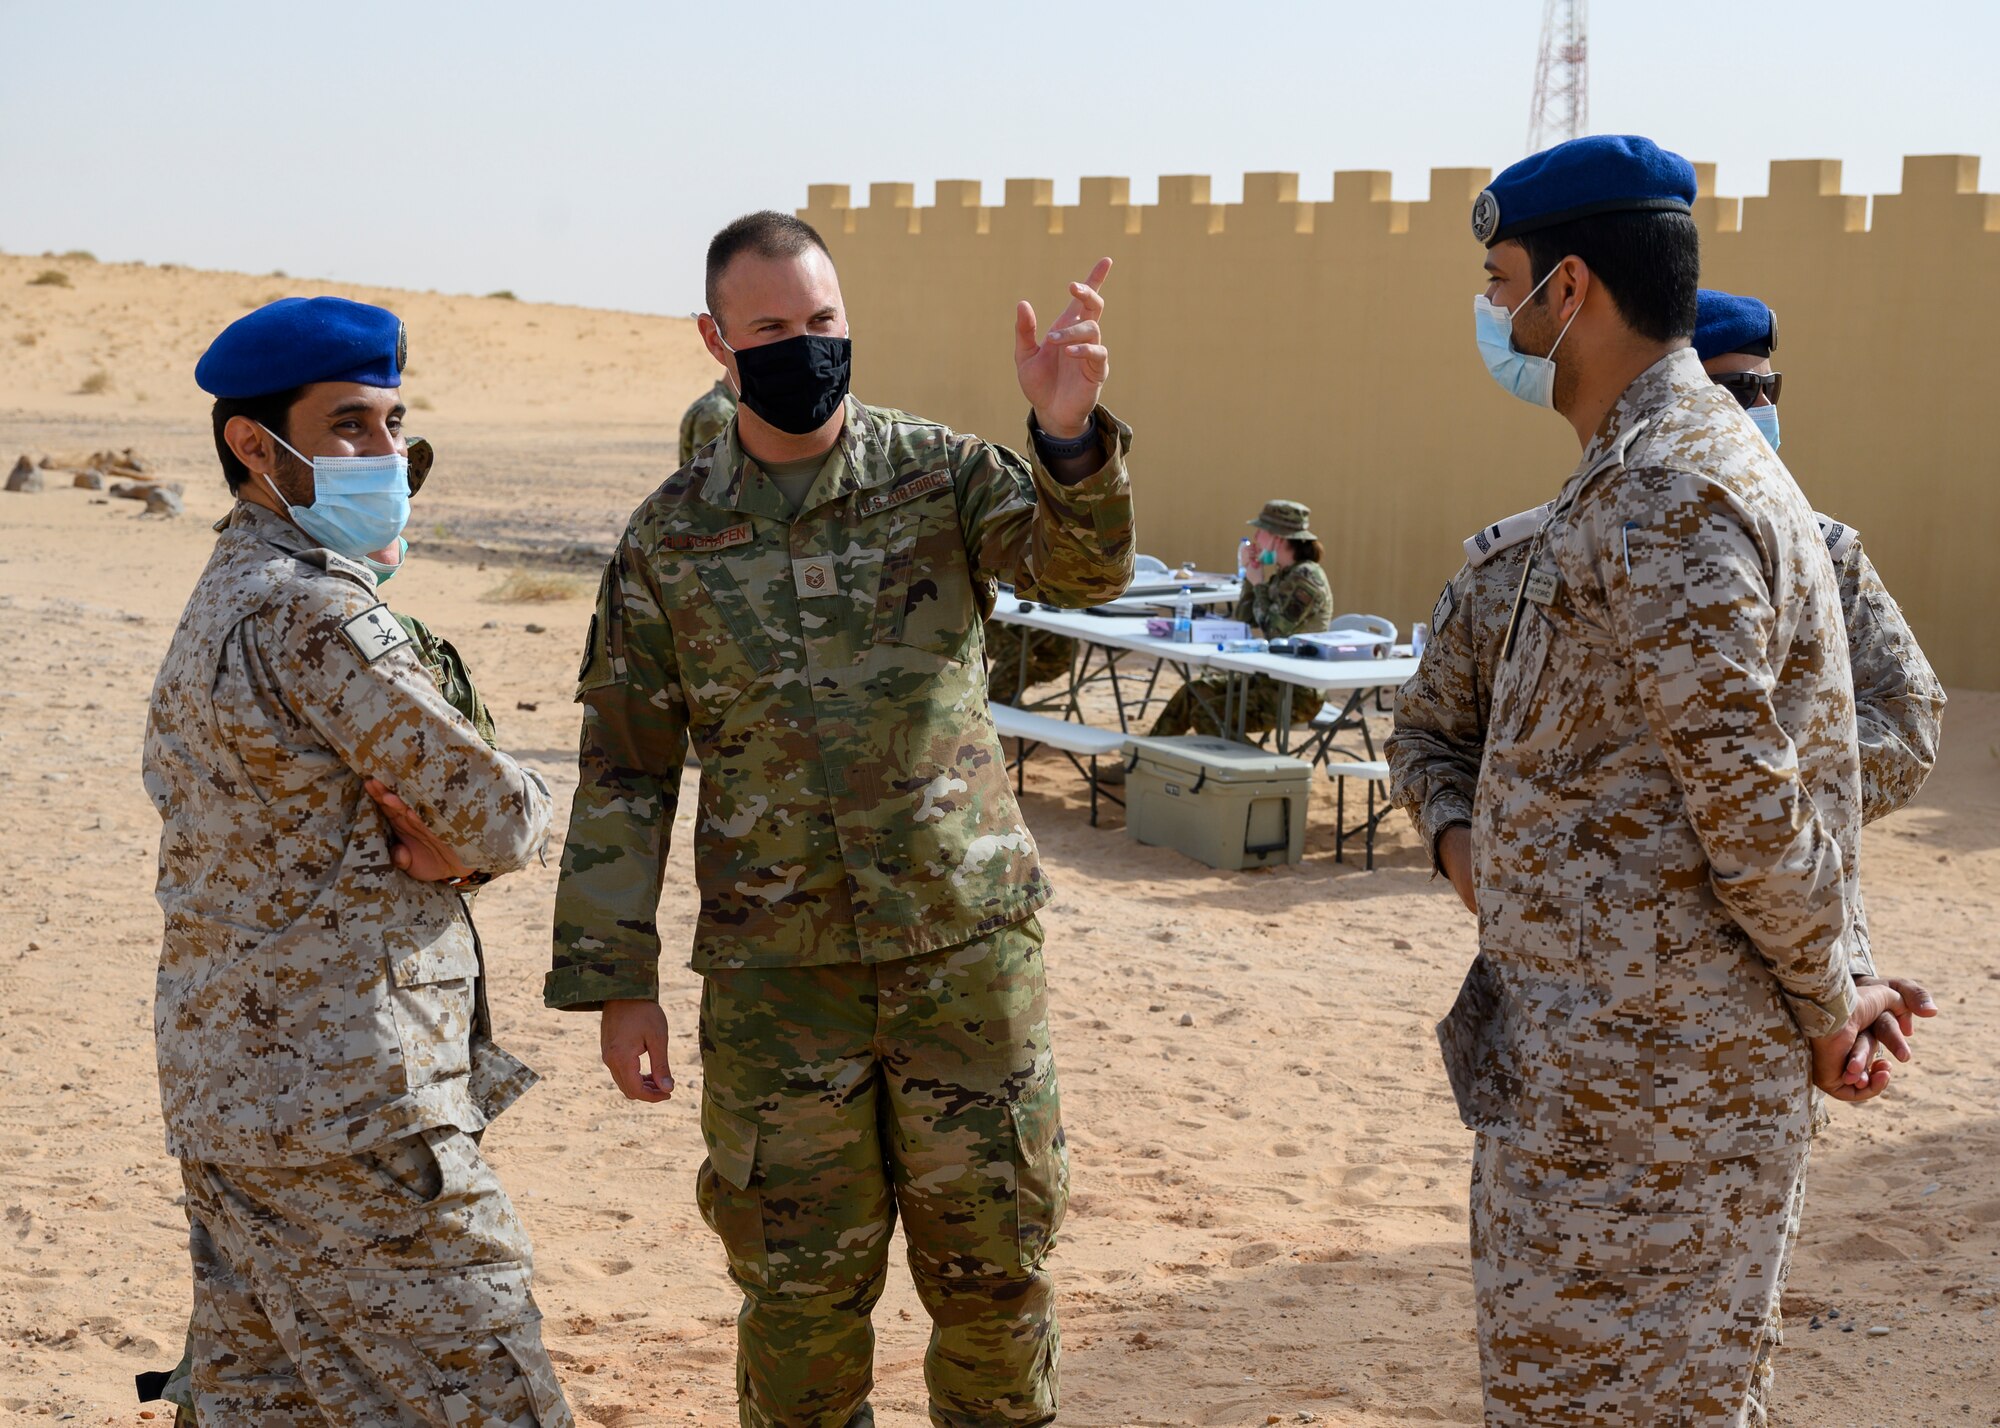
column 1323, row 352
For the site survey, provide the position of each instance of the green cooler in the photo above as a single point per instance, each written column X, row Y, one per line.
column 1222, row 803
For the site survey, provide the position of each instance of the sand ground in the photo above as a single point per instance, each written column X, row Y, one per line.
column 1269, row 1203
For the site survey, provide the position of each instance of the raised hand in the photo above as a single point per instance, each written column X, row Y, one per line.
column 1062, row 374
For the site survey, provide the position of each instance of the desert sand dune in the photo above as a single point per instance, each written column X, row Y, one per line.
column 1269, row 1211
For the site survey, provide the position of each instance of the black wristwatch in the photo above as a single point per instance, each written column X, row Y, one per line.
column 1064, row 448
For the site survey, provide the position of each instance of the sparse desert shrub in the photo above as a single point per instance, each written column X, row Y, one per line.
column 504, row 294
column 49, row 278
column 97, row 382
column 26, row 339
column 534, row 587
column 81, row 255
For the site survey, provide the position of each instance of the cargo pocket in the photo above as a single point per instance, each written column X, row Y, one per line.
column 1595, row 1240
column 407, row 1168
column 1041, row 1170
column 472, row 1328
column 431, row 996
column 523, row 1343
column 731, row 1205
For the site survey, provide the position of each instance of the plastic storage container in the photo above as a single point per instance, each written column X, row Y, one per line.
column 1222, row 803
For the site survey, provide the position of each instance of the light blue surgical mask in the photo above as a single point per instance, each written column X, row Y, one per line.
column 384, row 572
column 359, row 505
column 1532, row 379
column 1766, row 418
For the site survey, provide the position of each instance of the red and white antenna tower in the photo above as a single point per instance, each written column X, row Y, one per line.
column 1562, row 75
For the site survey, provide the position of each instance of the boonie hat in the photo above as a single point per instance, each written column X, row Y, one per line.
column 1290, row 519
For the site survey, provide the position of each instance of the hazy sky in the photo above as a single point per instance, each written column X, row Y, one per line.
column 584, row 152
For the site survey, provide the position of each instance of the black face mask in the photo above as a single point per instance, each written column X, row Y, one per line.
column 796, row 384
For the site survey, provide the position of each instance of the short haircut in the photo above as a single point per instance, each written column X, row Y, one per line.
column 1649, row 262
column 768, row 234
column 271, row 411
column 1304, row 551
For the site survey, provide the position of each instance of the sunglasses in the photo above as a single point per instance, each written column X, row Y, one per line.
column 421, row 456
column 1745, row 386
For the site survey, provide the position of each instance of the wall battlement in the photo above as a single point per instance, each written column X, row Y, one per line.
column 1322, row 351
column 1804, row 196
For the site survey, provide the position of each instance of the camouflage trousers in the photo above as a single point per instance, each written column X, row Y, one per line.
column 1196, row 707
column 1049, row 659
column 387, row 1287
column 835, row 1098
column 1629, row 1296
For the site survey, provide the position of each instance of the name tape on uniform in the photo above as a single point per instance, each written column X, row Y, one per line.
column 717, row 540
column 1541, row 585
column 909, row 491
column 374, row 632
column 814, row 575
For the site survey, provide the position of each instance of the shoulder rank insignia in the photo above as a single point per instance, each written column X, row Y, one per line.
column 1488, row 543
column 374, row 632
column 1839, row 536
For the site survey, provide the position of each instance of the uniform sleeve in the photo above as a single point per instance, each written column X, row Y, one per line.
column 1898, row 701
column 1697, row 617
column 1439, row 738
column 1066, row 545
column 688, row 443
column 343, row 665
column 629, row 758
column 1303, row 604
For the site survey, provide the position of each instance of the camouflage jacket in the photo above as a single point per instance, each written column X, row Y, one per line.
column 1440, row 735
column 1666, row 830
column 829, row 670
column 1292, row 600
column 705, row 418
column 311, row 999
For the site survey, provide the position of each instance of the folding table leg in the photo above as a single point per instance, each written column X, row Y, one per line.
column 1339, row 818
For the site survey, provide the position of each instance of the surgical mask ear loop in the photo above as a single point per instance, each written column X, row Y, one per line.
column 1549, row 356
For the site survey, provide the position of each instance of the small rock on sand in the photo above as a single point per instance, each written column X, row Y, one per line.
column 1187, row 1018
column 164, row 501
column 89, row 480
column 25, row 477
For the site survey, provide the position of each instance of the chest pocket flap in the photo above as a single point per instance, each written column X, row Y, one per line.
column 925, row 599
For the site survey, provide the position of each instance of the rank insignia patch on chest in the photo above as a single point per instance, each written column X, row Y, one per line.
column 814, row 576
column 374, row 632
column 1541, row 585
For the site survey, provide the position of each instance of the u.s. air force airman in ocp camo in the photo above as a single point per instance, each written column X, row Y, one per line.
column 323, row 1059
column 1665, row 836
column 705, row 418
column 874, row 1026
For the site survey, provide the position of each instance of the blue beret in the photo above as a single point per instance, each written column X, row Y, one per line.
column 293, row 341
column 1606, row 173
column 1724, row 322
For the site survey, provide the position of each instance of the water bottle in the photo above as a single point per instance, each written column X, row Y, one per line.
column 1420, row 635
column 1243, row 561
column 1184, row 617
